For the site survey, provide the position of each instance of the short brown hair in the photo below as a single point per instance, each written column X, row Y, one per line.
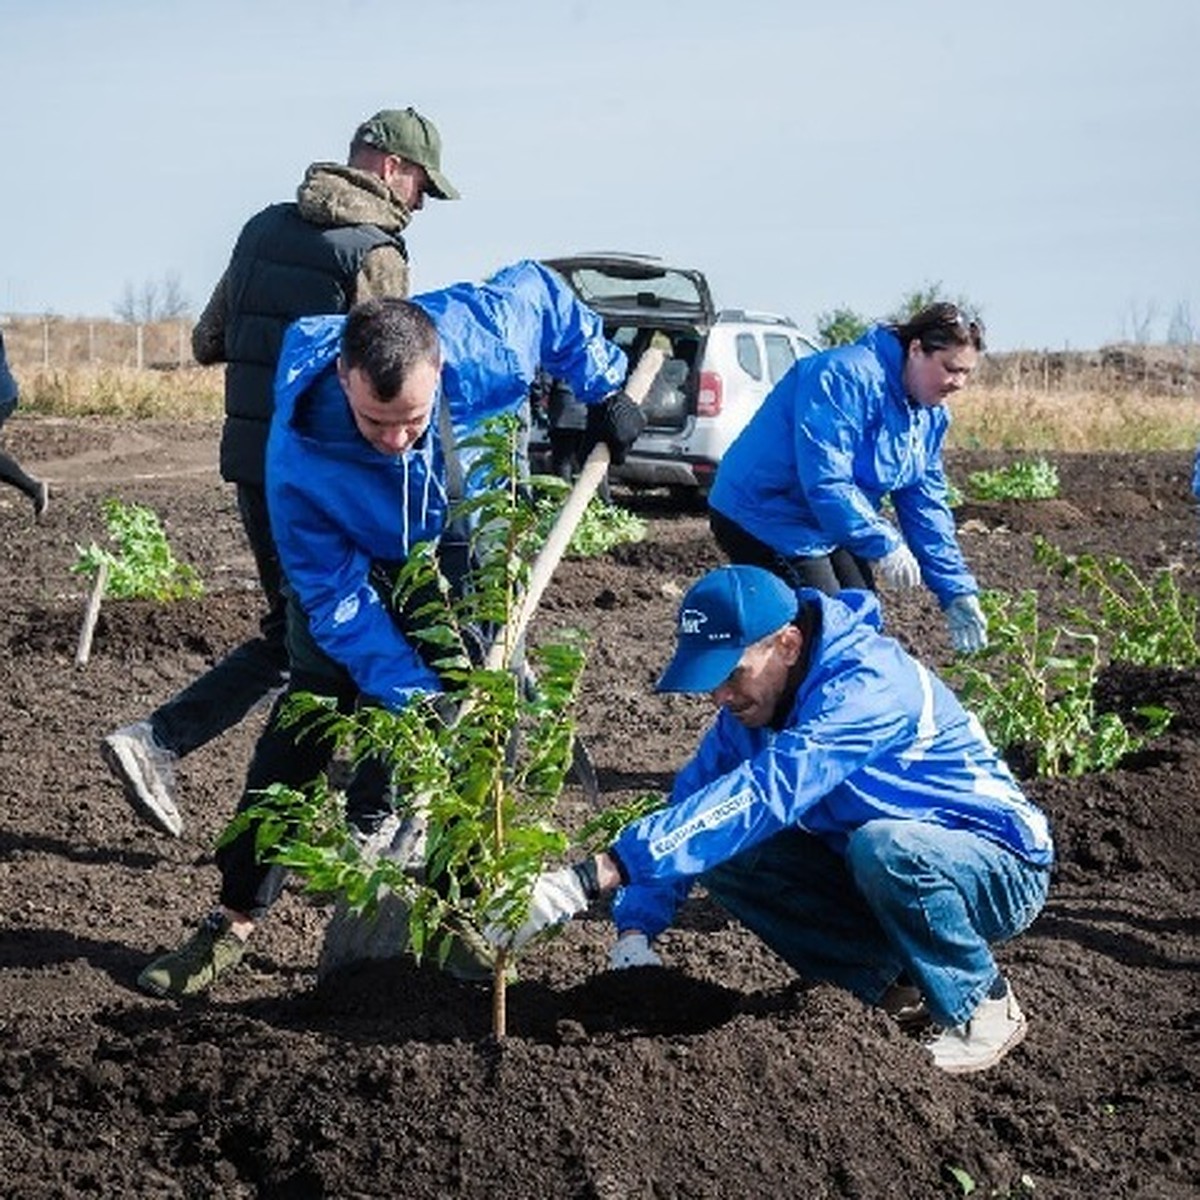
column 939, row 326
column 385, row 338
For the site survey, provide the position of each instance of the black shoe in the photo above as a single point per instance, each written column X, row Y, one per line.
column 41, row 500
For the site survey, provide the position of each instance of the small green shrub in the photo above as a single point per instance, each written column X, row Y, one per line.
column 601, row 527
column 1036, row 480
column 1032, row 688
column 143, row 567
column 1146, row 623
column 841, row 326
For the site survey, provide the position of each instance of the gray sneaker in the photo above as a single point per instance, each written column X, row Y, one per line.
column 147, row 773
column 211, row 951
column 399, row 839
column 992, row 1030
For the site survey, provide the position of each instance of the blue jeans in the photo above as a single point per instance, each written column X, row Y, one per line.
column 907, row 898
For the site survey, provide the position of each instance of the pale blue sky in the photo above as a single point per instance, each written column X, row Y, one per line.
column 1041, row 157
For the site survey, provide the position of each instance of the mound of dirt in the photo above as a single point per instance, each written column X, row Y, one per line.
column 720, row 1075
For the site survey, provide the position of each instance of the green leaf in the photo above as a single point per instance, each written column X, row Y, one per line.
column 965, row 1183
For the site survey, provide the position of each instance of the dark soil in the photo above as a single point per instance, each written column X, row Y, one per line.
column 721, row 1075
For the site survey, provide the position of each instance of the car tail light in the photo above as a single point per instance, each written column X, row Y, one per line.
column 708, row 401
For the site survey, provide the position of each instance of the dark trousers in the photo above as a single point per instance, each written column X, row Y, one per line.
column 827, row 572
column 296, row 757
column 228, row 690
column 10, row 469
column 566, row 458
column 10, row 472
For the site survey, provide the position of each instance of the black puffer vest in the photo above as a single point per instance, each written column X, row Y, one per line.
column 282, row 267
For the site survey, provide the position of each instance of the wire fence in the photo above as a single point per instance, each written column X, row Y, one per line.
column 57, row 343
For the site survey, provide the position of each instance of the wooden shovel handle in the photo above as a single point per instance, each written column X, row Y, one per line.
column 590, row 477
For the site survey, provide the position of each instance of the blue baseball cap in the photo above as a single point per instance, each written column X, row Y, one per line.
column 723, row 613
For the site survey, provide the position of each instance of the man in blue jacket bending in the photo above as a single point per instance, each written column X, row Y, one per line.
column 362, row 461
column 844, row 806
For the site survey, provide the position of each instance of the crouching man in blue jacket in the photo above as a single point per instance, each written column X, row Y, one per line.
column 843, row 805
column 362, row 461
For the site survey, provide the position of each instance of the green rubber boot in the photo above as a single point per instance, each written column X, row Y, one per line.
column 211, row 951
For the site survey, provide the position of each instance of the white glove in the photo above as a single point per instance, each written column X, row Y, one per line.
column 557, row 897
column 967, row 624
column 632, row 950
column 898, row 568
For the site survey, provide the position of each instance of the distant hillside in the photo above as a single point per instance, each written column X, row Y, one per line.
column 1155, row 370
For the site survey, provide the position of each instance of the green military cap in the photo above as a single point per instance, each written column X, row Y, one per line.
column 404, row 132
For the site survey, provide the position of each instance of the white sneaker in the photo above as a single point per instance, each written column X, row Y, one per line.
column 991, row 1031
column 147, row 773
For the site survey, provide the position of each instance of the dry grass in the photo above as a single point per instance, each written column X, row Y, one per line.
column 991, row 417
column 190, row 392
column 1117, row 398
column 998, row 417
column 109, row 368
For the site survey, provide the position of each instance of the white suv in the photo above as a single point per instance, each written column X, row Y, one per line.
column 719, row 369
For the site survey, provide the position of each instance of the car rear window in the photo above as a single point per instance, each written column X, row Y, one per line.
column 645, row 287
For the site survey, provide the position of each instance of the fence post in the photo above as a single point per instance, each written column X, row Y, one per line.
column 141, row 346
column 45, row 345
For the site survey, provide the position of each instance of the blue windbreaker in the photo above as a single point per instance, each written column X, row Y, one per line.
column 337, row 504
column 1196, row 476
column 833, row 437
column 872, row 734
column 8, row 386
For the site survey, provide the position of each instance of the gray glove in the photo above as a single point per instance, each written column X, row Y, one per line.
column 967, row 624
column 557, row 897
column 632, row 950
column 898, row 568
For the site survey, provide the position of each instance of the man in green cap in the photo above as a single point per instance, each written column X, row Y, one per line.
column 338, row 243
column 413, row 145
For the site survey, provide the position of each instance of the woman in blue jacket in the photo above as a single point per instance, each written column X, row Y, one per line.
column 844, row 806
column 799, row 491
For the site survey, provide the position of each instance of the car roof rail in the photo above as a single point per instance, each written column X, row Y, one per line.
column 761, row 318
column 655, row 258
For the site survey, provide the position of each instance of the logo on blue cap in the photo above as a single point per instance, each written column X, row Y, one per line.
column 723, row 613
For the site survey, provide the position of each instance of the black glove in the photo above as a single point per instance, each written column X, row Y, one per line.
column 617, row 422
